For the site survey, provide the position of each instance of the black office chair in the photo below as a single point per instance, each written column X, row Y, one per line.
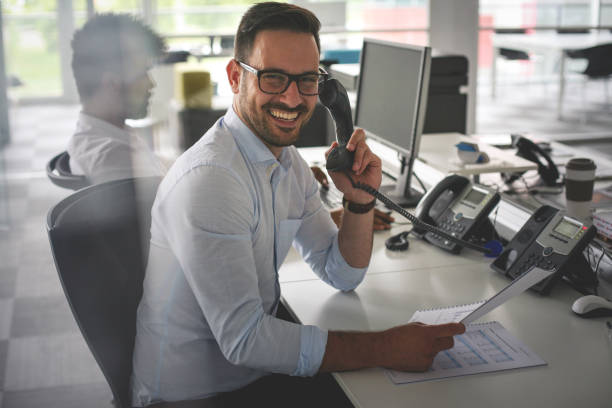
column 58, row 171
column 599, row 63
column 509, row 53
column 99, row 238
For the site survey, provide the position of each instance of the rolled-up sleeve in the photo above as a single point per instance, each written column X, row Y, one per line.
column 317, row 242
column 312, row 349
column 208, row 221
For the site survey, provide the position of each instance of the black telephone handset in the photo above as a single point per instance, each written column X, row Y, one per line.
column 549, row 239
column 527, row 149
column 334, row 97
column 458, row 207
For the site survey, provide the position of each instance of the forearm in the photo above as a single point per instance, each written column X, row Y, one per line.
column 355, row 238
column 410, row 347
column 352, row 351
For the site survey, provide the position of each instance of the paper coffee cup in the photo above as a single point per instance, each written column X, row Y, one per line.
column 579, row 179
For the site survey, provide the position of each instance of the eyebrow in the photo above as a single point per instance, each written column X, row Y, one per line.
column 285, row 72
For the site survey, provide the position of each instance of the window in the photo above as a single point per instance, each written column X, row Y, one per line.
column 31, row 42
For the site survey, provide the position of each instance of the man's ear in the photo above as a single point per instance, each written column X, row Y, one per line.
column 234, row 73
column 109, row 81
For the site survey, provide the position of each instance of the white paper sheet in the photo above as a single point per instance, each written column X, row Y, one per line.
column 469, row 313
column 484, row 347
column 518, row 286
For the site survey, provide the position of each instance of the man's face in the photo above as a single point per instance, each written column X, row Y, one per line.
column 137, row 84
column 277, row 119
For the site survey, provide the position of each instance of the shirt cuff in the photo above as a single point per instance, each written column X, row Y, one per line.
column 312, row 348
column 341, row 275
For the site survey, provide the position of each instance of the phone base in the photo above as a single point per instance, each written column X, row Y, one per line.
column 408, row 200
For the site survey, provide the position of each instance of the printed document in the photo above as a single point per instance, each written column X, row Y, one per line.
column 483, row 348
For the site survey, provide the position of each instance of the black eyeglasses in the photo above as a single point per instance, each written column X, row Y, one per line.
column 276, row 82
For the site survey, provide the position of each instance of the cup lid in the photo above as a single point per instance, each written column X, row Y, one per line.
column 580, row 163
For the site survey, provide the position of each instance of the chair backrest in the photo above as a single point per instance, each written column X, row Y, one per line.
column 599, row 60
column 509, row 53
column 58, row 171
column 99, row 238
column 572, row 30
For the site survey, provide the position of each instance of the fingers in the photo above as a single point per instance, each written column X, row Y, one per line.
column 333, row 145
column 383, row 216
column 358, row 145
column 449, row 329
column 382, row 220
column 357, row 137
column 443, row 343
column 380, row 226
column 360, row 161
column 320, row 176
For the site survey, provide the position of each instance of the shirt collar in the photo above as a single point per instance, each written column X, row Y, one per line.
column 252, row 146
column 108, row 128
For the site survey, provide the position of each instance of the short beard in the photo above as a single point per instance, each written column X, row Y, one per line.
column 261, row 128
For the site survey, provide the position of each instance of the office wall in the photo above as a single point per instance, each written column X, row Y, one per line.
column 453, row 28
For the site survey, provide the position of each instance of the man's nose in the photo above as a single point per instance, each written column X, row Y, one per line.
column 152, row 82
column 292, row 96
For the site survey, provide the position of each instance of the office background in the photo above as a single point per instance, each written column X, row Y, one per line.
column 43, row 358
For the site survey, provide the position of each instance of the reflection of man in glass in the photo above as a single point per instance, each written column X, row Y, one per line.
column 112, row 56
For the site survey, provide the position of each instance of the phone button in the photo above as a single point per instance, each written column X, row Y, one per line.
column 548, row 251
column 458, row 216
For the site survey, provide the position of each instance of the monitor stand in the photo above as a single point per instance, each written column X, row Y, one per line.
column 409, row 199
column 401, row 193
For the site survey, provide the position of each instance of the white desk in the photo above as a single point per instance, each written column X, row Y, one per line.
column 579, row 370
column 546, row 43
column 294, row 269
column 439, row 151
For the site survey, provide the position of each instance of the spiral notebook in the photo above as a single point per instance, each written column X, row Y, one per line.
column 471, row 312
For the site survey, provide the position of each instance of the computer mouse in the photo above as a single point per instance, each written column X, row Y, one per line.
column 592, row 306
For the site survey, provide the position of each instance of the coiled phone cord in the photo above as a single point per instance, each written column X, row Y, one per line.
column 415, row 221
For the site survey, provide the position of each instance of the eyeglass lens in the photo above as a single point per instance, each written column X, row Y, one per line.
column 277, row 82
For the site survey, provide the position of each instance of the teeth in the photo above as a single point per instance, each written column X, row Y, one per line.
column 283, row 115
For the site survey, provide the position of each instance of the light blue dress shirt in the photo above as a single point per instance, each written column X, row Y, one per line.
column 223, row 221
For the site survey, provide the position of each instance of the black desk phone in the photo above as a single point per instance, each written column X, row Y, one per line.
column 458, row 207
column 549, row 239
column 469, row 205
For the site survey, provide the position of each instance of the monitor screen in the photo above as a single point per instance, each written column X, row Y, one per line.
column 392, row 98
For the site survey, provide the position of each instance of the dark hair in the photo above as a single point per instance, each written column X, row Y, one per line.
column 98, row 47
column 273, row 16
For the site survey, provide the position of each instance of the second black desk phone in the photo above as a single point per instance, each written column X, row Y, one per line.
column 549, row 239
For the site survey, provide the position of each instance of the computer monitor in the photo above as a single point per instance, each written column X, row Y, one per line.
column 391, row 104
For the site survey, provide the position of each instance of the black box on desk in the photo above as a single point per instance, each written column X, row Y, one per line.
column 193, row 123
column 446, row 101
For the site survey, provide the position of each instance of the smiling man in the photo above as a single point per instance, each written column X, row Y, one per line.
column 210, row 327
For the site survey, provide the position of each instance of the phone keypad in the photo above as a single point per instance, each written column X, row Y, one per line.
column 538, row 259
column 450, row 226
